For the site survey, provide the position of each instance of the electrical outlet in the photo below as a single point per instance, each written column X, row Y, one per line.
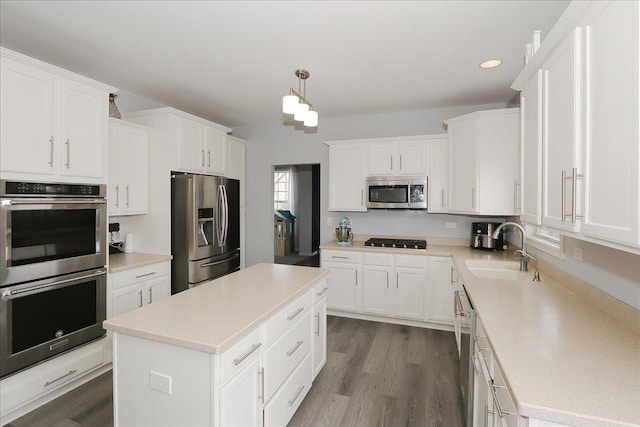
column 160, row 382
column 451, row 225
column 577, row 253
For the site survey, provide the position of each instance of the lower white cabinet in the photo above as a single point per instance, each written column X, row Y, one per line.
column 319, row 342
column 286, row 401
column 242, row 391
column 134, row 288
column 387, row 285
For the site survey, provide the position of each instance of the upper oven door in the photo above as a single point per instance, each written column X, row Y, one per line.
column 49, row 237
column 386, row 192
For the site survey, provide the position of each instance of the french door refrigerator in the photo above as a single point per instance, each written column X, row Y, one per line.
column 205, row 228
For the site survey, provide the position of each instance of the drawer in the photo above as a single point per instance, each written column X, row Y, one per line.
column 140, row 274
column 503, row 397
column 419, row 261
column 240, row 355
column 40, row 379
column 378, row 259
column 340, row 256
column 320, row 291
column 285, row 354
column 280, row 409
column 287, row 317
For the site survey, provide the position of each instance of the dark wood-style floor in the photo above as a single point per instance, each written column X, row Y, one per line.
column 377, row 374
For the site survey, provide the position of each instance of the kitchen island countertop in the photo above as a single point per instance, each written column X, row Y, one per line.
column 570, row 353
column 214, row 315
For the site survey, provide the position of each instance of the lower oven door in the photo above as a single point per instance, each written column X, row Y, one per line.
column 41, row 319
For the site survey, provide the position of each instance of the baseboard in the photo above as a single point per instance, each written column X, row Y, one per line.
column 397, row 321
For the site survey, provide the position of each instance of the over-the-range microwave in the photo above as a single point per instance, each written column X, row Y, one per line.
column 397, row 192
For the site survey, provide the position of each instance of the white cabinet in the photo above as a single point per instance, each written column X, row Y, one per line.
column 561, row 141
column 441, row 279
column 128, row 168
column 344, row 279
column 319, row 343
column 347, row 173
column 134, row 288
column 612, row 107
column 239, row 398
column 215, row 151
column 202, row 148
column 409, row 293
column 54, row 123
column 378, row 272
column 438, row 175
column 483, row 162
column 531, row 151
column 398, row 158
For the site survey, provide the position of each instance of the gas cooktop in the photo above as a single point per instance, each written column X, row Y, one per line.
column 396, row 243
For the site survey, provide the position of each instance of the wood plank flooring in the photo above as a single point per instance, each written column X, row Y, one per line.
column 377, row 374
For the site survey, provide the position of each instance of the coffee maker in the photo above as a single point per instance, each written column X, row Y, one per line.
column 481, row 236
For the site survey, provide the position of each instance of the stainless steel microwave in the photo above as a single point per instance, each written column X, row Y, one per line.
column 397, row 192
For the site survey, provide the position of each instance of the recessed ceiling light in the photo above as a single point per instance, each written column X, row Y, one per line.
column 492, row 63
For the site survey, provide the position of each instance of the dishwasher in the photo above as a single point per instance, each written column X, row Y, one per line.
column 464, row 329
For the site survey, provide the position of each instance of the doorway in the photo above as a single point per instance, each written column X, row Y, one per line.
column 296, row 216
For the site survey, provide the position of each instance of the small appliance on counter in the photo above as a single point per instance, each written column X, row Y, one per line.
column 481, row 236
column 344, row 235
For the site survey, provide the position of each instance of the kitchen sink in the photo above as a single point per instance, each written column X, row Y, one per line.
column 495, row 269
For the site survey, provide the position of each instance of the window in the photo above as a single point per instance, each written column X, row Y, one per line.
column 545, row 240
column 282, row 189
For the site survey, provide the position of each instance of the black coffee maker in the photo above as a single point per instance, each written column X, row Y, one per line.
column 481, row 236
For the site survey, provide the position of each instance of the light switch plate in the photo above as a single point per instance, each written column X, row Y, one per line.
column 451, row 225
column 160, row 382
column 577, row 253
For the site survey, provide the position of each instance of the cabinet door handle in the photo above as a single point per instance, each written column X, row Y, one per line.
column 387, row 279
column 146, row 274
column 51, row 151
column 140, row 296
column 248, row 353
column 293, row 316
column 322, row 292
column 68, row 164
column 295, row 348
column 208, row 158
column 361, row 197
column 397, row 280
column 71, row 372
column 391, row 161
column 356, row 277
column 127, row 189
column 473, row 197
column 574, row 197
column 261, row 384
column 294, row 398
column 117, row 196
column 339, row 257
column 150, row 295
column 400, row 161
column 451, row 276
column 317, row 324
column 202, row 157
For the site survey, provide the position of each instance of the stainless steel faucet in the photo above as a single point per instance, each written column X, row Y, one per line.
column 524, row 256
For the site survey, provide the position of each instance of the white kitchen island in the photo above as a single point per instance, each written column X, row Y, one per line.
column 241, row 350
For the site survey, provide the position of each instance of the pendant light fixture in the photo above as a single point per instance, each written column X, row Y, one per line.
column 297, row 104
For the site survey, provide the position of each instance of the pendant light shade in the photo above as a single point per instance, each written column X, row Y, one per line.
column 289, row 104
column 301, row 112
column 311, row 119
column 296, row 103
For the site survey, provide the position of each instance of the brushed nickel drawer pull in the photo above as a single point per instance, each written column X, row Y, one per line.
column 71, row 372
column 51, row 151
column 325, row 289
column 318, row 324
column 240, row 359
column 293, row 400
column 146, row 274
column 261, row 387
column 339, row 257
column 295, row 347
column 298, row 311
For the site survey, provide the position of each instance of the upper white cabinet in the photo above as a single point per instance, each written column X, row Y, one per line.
column 347, row 174
column 398, row 158
column 54, row 123
column 438, row 174
column 589, row 109
column 483, row 162
column 128, row 168
column 531, row 150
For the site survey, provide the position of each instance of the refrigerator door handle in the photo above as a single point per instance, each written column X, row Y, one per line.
column 219, row 207
column 226, row 215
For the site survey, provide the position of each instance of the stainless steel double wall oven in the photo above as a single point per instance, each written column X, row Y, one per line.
column 52, row 270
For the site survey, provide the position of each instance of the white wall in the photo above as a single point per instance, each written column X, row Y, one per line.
column 285, row 144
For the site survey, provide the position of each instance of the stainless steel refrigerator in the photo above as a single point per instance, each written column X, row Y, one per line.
column 205, row 228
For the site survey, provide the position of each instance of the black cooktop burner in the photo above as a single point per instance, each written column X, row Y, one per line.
column 396, row 243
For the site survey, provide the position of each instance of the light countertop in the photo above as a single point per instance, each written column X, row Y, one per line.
column 126, row 261
column 213, row 316
column 566, row 357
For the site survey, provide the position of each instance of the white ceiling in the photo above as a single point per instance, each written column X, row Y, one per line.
column 232, row 61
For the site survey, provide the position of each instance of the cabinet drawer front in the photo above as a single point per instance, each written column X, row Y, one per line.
column 26, row 385
column 287, row 317
column 140, row 274
column 503, row 396
column 240, row 355
column 280, row 409
column 284, row 355
column 419, row 261
column 320, row 291
column 378, row 259
column 340, row 256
